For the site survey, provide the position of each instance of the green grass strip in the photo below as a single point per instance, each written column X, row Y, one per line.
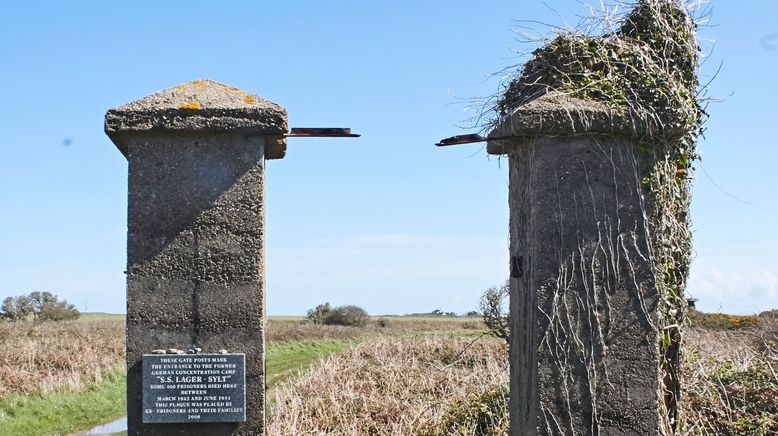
column 289, row 358
column 64, row 411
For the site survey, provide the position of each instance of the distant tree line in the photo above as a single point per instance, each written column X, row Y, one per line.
column 40, row 306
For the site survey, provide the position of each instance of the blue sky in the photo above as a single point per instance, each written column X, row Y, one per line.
column 386, row 221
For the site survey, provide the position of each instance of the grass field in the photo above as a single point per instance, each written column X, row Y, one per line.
column 49, row 356
column 66, row 410
column 58, row 378
column 417, row 375
column 101, row 316
column 394, row 386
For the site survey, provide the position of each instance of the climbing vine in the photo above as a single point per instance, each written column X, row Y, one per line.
column 646, row 67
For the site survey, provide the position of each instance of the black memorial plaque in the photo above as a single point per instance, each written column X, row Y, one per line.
column 194, row 388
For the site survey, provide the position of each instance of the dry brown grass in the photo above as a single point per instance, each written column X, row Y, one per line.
column 407, row 325
column 730, row 381
column 46, row 356
column 50, row 355
column 385, row 386
column 408, row 385
column 292, row 329
column 413, row 376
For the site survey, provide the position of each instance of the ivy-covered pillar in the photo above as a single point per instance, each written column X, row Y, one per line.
column 584, row 306
column 600, row 134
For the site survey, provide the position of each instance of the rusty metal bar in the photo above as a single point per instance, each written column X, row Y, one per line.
column 461, row 139
column 470, row 139
column 321, row 132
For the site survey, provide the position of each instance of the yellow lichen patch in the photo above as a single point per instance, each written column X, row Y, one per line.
column 191, row 106
column 200, row 84
column 250, row 99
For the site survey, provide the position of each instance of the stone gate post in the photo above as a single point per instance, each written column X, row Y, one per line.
column 195, row 251
column 585, row 338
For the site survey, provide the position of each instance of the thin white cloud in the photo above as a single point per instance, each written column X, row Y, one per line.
column 737, row 278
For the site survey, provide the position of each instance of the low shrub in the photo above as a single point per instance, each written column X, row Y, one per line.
column 352, row 316
column 318, row 314
column 41, row 306
column 493, row 307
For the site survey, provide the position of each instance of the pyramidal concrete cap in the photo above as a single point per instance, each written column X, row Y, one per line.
column 558, row 114
column 201, row 105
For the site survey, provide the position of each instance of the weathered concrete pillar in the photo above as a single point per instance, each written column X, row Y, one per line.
column 195, row 240
column 585, row 334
